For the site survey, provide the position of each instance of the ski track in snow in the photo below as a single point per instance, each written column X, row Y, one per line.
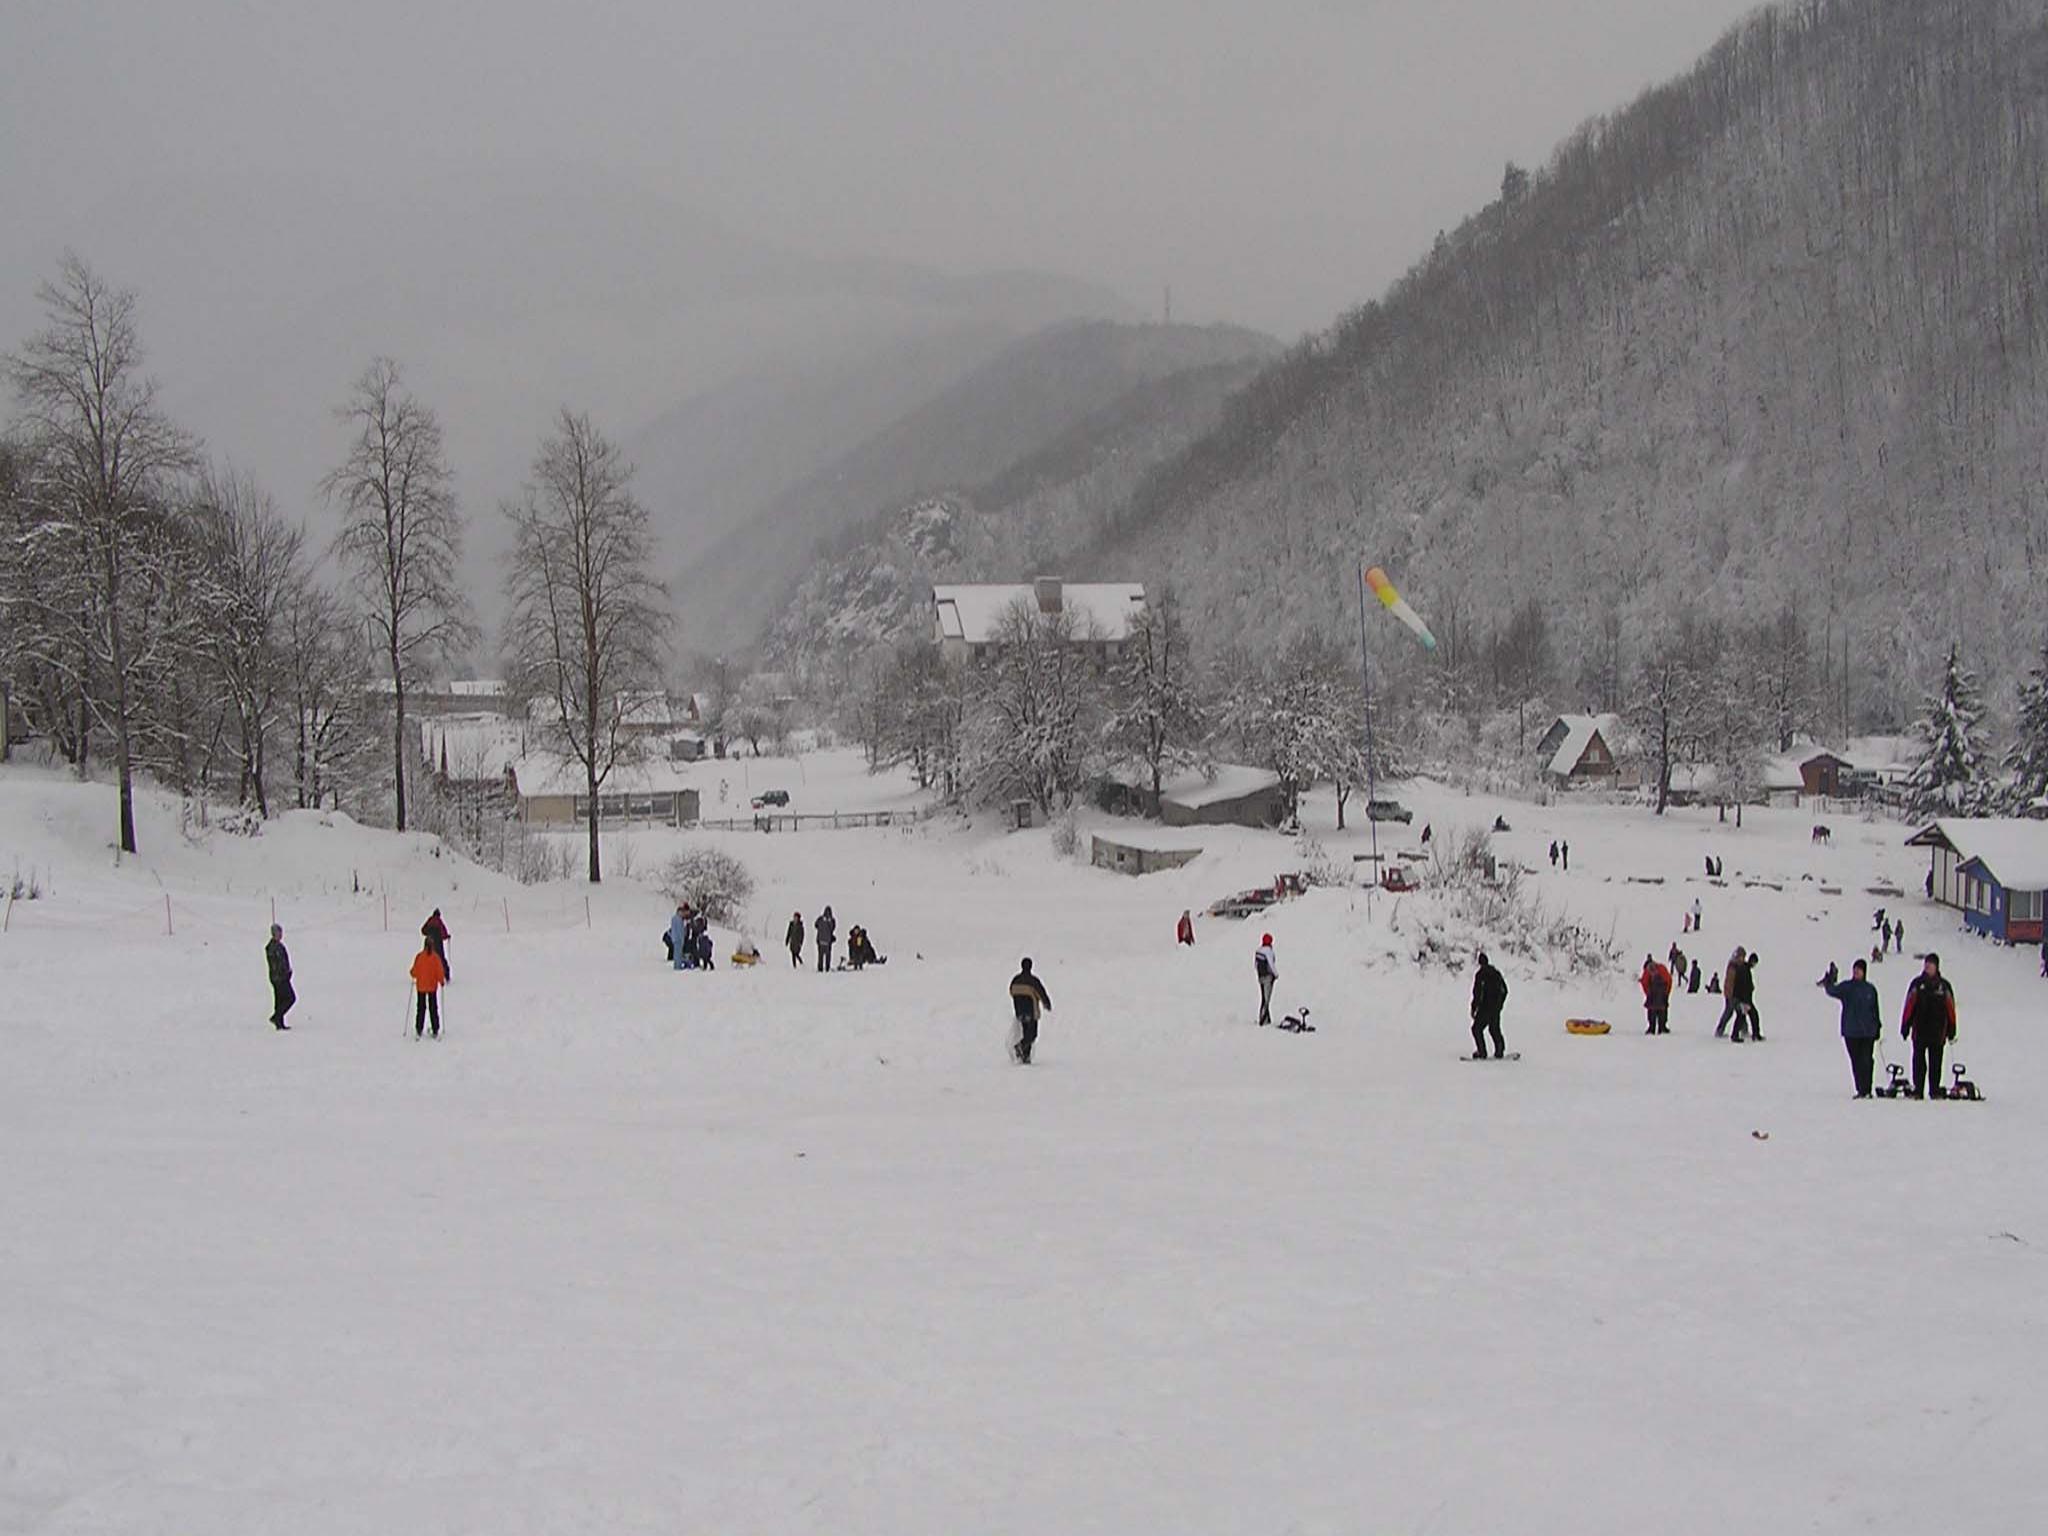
column 768, row 1251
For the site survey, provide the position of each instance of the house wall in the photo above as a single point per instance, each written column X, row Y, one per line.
column 1948, row 879
column 1104, row 853
column 1261, row 808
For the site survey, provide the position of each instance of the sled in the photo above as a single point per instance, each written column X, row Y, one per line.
column 1587, row 1027
column 1398, row 880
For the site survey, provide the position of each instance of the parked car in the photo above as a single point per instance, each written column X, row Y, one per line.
column 1388, row 810
column 769, row 797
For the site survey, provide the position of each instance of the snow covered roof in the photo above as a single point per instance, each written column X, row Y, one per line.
column 478, row 688
column 1231, row 781
column 1579, row 733
column 474, row 746
column 557, row 773
column 974, row 612
column 2012, row 849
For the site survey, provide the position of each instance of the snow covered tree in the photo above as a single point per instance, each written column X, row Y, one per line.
column 108, row 457
column 401, row 535
column 1033, row 727
column 1157, row 716
column 1303, row 717
column 2027, row 759
column 587, row 622
column 760, row 712
column 1781, row 670
column 1950, row 773
column 1669, row 703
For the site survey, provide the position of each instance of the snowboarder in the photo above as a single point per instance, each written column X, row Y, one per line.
column 1184, row 933
column 1027, row 996
column 827, row 928
column 280, row 962
column 794, row 938
column 678, row 936
column 1860, row 1021
column 435, row 932
column 1746, row 1016
column 1656, row 984
column 1489, row 997
column 1553, row 853
column 1267, row 969
column 1930, row 1023
column 428, row 974
column 1727, row 990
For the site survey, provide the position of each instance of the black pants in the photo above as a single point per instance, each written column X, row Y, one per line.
column 426, row 1004
column 796, row 956
column 1484, row 1024
column 1727, row 1013
column 1859, row 1064
column 824, row 954
column 1266, row 999
column 1927, row 1056
column 1027, row 1025
column 281, row 999
column 1746, row 1019
column 1660, row 1020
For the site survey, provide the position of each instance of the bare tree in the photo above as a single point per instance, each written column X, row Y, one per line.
column 587, row 622
column 401, row 535
column 110, row 454
column 1157, row 716
column 325, row 671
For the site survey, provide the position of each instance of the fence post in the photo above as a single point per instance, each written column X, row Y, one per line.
column 168, row 929
column 586, row 912
column 387, row 912
column 506, row 904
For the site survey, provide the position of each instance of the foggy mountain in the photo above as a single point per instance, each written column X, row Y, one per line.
column 1023, row 400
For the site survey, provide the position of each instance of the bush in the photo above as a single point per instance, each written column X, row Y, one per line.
column 712, row 881
column 1066, row 836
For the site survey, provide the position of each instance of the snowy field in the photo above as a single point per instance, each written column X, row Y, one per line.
column 632, row 1250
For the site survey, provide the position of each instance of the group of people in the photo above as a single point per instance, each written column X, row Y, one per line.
column 688, row 939
column 1561, row 853
column 429, row 975
column 824, row 930
column 1891, row 935
column 1928, row 1021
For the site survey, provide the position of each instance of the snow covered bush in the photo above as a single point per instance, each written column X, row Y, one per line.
column 1472, row 902
column 1066, row 835
column 710, row 880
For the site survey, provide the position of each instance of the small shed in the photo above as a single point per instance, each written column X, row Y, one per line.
column 1128, row 858
column 1230, row 796
column 2003, row 891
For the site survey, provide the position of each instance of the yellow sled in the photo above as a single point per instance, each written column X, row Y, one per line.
column 747, row 956
column 1587, row 1026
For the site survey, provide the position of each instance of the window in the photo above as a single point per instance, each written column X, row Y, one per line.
column 2023, row 906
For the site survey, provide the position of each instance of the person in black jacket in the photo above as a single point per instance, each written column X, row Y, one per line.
column 1489, row 997
column 1860, row 1019
column 1930, row 1023
column 280, row 962
column 1027, row 997
column 435, row 932
column 1742, row 994
column 794, row 938
column 827, row 928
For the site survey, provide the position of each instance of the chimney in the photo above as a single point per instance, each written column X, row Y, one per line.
column 1048, row 590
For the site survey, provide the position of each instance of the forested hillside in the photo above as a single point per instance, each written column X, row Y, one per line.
column 1774, row 336
column 1027, row 397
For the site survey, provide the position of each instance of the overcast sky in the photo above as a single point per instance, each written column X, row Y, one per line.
column 1276, row 162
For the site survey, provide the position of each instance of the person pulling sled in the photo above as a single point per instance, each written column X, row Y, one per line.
column 1028, row 999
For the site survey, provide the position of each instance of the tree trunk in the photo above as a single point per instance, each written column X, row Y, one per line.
column 116, row 653
column 1343, row 795
column 397, row 738
column 590, row 778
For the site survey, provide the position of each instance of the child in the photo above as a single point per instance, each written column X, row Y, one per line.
column 428, row 974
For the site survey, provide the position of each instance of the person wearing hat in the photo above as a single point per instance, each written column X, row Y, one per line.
column 280, row 962
column 1028, row 998
column 435, row 931
column 1489, row 997
column 1860, row 1021
column 794, row 938
column 1930, row 1023
column 1267, row 969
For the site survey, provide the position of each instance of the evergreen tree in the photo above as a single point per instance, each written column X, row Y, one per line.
column 2028, row 759
column 1950, row 774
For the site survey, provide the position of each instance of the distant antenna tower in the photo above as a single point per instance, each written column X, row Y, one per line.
column 1169, row 303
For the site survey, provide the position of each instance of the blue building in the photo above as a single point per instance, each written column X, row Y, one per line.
column 2003, row 894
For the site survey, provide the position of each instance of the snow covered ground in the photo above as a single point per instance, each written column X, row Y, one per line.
column 633, row 1250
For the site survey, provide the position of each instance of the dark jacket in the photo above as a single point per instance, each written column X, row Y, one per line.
column 433, row 928
column 1930, row 1009
column 1742, row 982
column 280, row 963
column 827, row 926
column 1489, row 992
column 795, row 937
column 1027, row 996
column 1860, row 1019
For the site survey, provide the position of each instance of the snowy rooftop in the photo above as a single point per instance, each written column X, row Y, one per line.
column 2012, row 849
column 475, row 746
column 1230, row 781
column 557, row 773
column 1579, row 733
column 973, row 613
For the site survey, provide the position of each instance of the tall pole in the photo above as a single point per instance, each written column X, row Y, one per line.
column 1371, row 757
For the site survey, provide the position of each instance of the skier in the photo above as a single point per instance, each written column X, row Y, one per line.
column 1727, row 991
column 1267, row 969
column 1746, row 1016
column 1027, row 996
column 794, row 938
column 280, row 961
column 827, row 927
column 1553, row 853
column 435, row 932
column 1489, row 997
column 1930, row 1023
column 1860, row 1026
column 1184, row 933
column 1656, row 984
column 678, row 936
column 428, row 973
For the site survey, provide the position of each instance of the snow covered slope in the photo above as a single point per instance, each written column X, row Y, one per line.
column 632, row 1250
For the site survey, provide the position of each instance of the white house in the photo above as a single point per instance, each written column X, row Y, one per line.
column 967, row 619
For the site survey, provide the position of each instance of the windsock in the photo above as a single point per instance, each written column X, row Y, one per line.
column 1397, row 605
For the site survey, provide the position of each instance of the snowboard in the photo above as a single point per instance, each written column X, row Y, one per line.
column 1511, row 1056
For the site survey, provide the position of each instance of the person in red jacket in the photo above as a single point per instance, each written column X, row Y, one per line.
column 428, row 975
column 1184, row 933
column 1656, row 984
column 1930, row 1023
column 435, row 932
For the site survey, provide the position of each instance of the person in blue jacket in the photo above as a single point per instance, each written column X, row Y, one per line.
column 1860, row 1023
column 679, row 940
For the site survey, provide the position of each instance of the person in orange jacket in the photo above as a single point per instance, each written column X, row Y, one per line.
column 428, row 975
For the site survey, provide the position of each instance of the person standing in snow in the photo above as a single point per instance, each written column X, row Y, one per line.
column 1884, row 936
column 1564, row 851
column 435, row 932
column 794, row 938
column 1899, row 936
column 280, row 962
column 1930, row 1023
column 1692, row 981
column 1728, row 991
column 1489, row 997
column 428, row 974
column 1028, row 998
column 1267, row 969
column 827, row 927
column 1746, row 1016
column 1695, row 914
column 1553, row 853
column 1860, row 1019
column 679, row 938
column 1656, row 984
column 1184, row 933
